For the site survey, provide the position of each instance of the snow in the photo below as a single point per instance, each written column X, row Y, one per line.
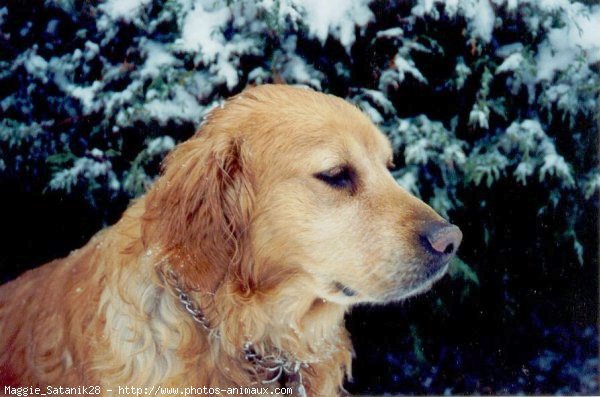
column 83, row 168
column 408, row 181
column 523, row 171
column 202, row 31
column 95, row 152
column 157, row 56
column 511, row 5
column 479, row 116
column 3, row 13
column 226, row 73
column 591, row 184
column 479, row 14
column 416, row 153
column 564, row 46
column 423, row 7
column 373, row 113
column 182, row 106
column 557, row 92
column 336, row 17
column 16, row 134
column 297, row 71
column 553, row 5
column 258, row 75
column 204, row 56
column 123, row 9
column 556, row 165
column 512, row 63
column 380, row 99
column 509, row 49
column 453, row 154
column 92, row 50
column 37, row 66
column 374, row 103
column 396, row 74
column 86, row 95
column 462, row 73
column 390, row 33
column 534, row 150
column 404, row 66
column 482, row 19
column 26, row 29
column 160, row 145
column 117, row 101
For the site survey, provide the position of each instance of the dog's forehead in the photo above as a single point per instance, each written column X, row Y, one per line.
column 329, row 146
column 369, row 139
column 349, row 134
column 282, row 120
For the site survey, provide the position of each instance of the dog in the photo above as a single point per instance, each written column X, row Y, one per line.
column 237, row 266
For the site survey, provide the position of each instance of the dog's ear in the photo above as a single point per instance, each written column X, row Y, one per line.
column 199, row 210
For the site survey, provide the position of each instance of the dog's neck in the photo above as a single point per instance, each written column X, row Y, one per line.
column 285, row 320
column 274, row 315
column 282, row 338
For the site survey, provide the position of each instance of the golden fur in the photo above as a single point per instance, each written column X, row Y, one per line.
column 257, row 241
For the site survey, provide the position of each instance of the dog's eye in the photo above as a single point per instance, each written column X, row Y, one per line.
column 338, row 177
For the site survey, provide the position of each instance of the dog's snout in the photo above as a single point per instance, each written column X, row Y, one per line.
column 441, row 238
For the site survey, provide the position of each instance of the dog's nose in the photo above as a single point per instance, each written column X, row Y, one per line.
column 441, row 238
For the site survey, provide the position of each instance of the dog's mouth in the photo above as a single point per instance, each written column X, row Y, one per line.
column 424, row 285
column 339, row 291
column 344, row 289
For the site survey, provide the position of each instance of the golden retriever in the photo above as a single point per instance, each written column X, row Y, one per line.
column 237, row 266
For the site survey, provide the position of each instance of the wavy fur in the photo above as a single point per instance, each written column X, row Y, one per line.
column 256, row 241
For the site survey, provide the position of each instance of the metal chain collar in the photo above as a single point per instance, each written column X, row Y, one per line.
column 189, row 304
column 275, row 365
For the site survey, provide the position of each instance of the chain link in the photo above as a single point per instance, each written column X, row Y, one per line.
column 189, row 304
column 277, row 365
column 274, row 366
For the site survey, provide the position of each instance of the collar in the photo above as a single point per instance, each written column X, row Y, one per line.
column 271, row 367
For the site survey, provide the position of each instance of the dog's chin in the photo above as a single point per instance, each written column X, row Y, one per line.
column 416, row 288
column 345, row 294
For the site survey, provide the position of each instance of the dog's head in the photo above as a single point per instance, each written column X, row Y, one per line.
column 285, row 182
